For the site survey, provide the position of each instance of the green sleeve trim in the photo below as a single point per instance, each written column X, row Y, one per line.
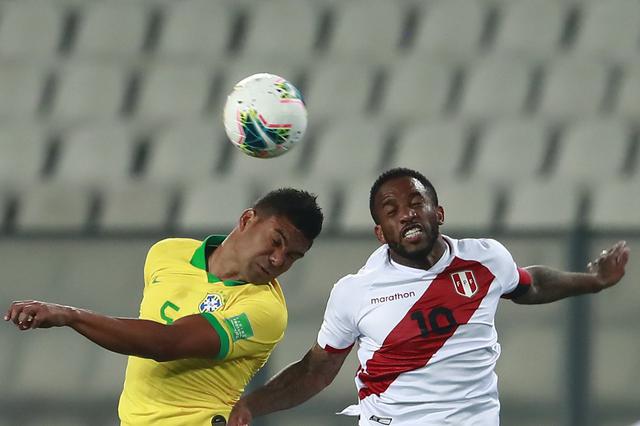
column 224, row 337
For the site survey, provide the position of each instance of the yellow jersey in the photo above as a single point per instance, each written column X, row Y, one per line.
column 250, row 320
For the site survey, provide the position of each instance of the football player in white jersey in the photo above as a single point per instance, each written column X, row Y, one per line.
column 422, row 312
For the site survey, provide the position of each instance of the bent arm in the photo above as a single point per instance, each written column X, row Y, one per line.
column 188, row 337
column 292, row 386
column 549, row 285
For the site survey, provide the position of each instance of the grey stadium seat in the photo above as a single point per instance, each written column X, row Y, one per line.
column 451, row 28
column 100, row 154
column 96, row 35
column 511, row 151
column 53, row 207
column 19, row 20
column 466, row 206
column 136, row 206
column 338, row 89
column 615, row 204
column 592, row 151
column 21, row 87
column 302, row 19
column 185, row 153
column 435, row 148
column 108, row 375
column 610, row 29
column 542, row 205
column 418, row 88
column 348, row 149
column 497, row 87
column 89, row 91
column 214, row 205
column 378, row 25
column 22, row 154
column 174, row 90
column 196, row 29
column 530, row 29
column 628, row 105
column 574, row 87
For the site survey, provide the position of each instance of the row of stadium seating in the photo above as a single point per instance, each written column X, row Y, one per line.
column 413, row 88
column 60, row 365
column 213, row 28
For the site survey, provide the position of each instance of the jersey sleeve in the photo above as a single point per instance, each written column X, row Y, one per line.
column 248, row 327
column 338, row 331
column 515, row 281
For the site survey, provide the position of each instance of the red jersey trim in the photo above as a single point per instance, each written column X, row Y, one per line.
column 524, row 284
column 333, row 350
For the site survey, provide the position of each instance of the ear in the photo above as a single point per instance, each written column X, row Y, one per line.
column 440, row 215
column 246, row 217
column 379, row 235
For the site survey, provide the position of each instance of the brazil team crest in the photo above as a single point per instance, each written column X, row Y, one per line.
column 211, row 303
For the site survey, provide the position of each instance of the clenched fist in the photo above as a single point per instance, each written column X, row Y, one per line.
column 31, row 314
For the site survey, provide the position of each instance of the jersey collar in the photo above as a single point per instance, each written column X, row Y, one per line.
column 199, row 259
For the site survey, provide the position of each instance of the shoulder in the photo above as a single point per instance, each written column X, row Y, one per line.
column 174, row 243
column 481, row 248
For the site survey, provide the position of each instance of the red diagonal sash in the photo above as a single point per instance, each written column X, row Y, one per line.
column 425, row 328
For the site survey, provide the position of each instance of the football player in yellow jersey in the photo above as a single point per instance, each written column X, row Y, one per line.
column 211, row 313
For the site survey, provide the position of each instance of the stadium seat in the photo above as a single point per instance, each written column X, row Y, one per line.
column 185, row 153
column 18, row 19
column 56, row 420
column 348, row 149
column 629, row 93
column 355, row 216
column 136, row 207
column 610, row 29
column 574, row 87
column 96, row 35
column 21, row 87
column 172, row 91
column 89, row 91
column 214, row 206
column 435, row 148
column 61, row 355
column 543, row 205
column 418, row 89
column 96, row 155
column 22, row 154
column 592, row 151
column 466, row 206
column 533, row 356
column 530, row 30
column 196, row 30
column 301, row 18
column 107, row 376
column 451, row 28
column 615, row 205
column 378, row 25
column 53, row 208
column 497, row 87
column 329, row 81
column 616, row 368
column 511, row 151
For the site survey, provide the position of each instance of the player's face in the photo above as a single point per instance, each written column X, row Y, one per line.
column 270, row 247
column 408, row 219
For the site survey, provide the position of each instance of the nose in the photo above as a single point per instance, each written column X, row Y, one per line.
column 408, row 214
column 277, row 258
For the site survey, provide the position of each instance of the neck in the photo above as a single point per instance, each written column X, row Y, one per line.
column 424, row 262
column 222, row 262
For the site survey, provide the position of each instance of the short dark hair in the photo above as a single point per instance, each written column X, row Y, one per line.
column 299, row 207
column 397, row 173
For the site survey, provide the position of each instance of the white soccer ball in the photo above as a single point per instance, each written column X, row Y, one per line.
column 265, row 116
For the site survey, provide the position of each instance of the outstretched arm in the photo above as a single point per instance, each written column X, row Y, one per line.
column 188, row 337
column 292, row 386
column 549, row 285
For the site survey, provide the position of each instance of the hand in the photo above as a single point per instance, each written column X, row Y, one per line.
column 240, row 415
column 609, row 266
column 31, row 314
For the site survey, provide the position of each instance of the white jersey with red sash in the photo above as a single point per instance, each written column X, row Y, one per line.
column 427, row 343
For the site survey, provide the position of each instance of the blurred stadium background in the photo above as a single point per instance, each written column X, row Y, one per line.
column 525, row 113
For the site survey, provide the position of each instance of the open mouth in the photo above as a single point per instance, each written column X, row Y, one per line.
column 412, row 232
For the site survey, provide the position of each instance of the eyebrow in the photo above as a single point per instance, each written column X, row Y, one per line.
column 279, row 231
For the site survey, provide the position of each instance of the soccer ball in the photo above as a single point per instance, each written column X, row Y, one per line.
column 265, row 116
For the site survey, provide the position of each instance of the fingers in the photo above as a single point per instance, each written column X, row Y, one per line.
column 22, row 314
